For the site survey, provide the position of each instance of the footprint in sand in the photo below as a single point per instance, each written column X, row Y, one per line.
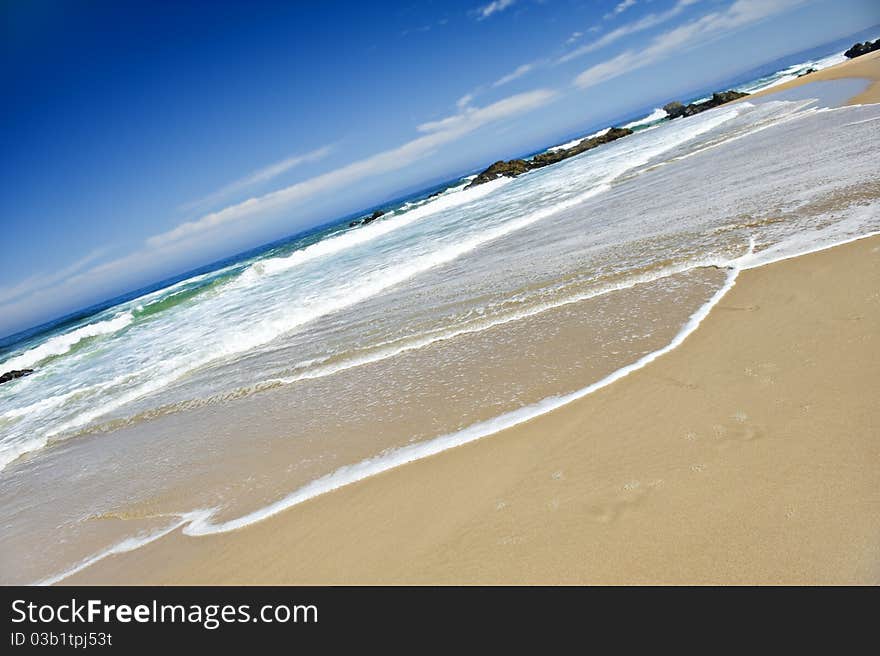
column 631, row 495
column 740, row 429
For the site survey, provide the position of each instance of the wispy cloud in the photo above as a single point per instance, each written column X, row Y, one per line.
column 516, row 74
column 434, row 135
column 465, row 101
column 620, row 8
column 493, row 7
column 41, row 281
column 702, row 30
column 257, row 177
column 644, row 23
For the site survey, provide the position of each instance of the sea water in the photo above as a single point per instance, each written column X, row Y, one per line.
column 233, row 394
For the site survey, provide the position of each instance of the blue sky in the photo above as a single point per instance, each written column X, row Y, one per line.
column 142, row 140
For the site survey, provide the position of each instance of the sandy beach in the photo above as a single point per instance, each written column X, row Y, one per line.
column 745, row 455
column 866, row 67
column 748, row 455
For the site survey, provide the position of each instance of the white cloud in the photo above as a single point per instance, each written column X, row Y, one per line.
column 510, row 77
column 39, row 282
column 258, row 177
column 493, row 8
column 702, row 30
column 620, row 8
column 644, row 23
column 574, row 37
column 436, row 133
column 465, row 101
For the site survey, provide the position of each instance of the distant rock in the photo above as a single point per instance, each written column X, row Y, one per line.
column 514, row 167
column 807, row 72
column 375, row 215
column 367, row 219
column 15, row 373
column 545, row 159
column 677, row 110
column 860, row 49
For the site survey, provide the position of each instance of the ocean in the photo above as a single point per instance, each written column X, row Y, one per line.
column 220, row 398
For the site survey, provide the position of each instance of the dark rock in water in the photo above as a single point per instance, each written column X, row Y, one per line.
column 545, row 159
column 860, row 49
column 15, row 373
column 807, row 72
column 367, row 219
column 500, row 168
column 514, row 167
column 676, row 109
column 375, row 215
column 722, row 97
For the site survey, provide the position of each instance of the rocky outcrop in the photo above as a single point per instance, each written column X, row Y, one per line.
column 677, row 110
column 514, row 167
column 367, row 219
column 545, row 159
column 15, row 373
column 860, row 49
column 674, row 109
column 500, row 168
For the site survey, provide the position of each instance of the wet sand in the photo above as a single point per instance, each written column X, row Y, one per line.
column 866, row 67
column 747, row 455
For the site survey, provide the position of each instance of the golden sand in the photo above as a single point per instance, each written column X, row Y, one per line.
column 748, row 455
column 751, row 454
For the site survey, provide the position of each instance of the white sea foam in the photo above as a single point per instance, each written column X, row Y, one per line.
column 575, row 142
column 152, row 384
column 126, row 545
column 61, row 344
column 352, row 238
column 792, row 73
column 372, row 466
column 533, row 310
column 270, row 329
column 658, row 114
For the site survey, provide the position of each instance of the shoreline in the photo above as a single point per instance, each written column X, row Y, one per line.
column 230, row 557
column 198, row 523
column 866, row 67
